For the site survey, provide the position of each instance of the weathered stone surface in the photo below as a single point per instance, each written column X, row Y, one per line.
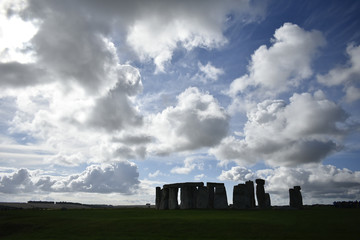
column 242, row 197
column 239, row 200
column 267, row 200
column 220, row 198
column 202, row 199
column 158, row 197
column 260, row 181
column 211, row 196
column 295, row 197
column 214, row 184
column 260, row 193
column 188, row 197
column 250, row 186
column 173, row 198
column 164, row 203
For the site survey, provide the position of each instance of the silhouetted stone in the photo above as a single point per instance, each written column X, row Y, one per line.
column 267, row 200
column 250, row 187
column 164, row 203
column 295, row 197
column 211, row 196
column 173, row 198
column 211, row 186
column 239, row 196
column 158, row 197
column 202, row 200
column 188, row 197
column 243, row 196
column 260, row 193
column 220, row 198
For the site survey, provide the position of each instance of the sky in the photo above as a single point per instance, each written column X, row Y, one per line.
column 102, row 101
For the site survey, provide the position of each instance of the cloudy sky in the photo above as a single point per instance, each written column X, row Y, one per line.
column 102, row 101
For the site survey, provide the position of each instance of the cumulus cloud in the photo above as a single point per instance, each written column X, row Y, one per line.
column 14, row 44
column 121, row 177
column 318, row 182
column 208, row 73
column 114, row 110
column 166, row 25
column 237, row 174
column 305, row 130
column 347, row 75
column 283, row 65
column 196, row 121
column 19, row 181
column 190, row 163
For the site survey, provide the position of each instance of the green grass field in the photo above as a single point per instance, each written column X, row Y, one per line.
column 314, row 223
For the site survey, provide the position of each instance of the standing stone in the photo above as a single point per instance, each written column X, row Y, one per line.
column 240, row 197
column 164, row 203
column 260, row 192
column 295, row 197
column 220, row 198
column 187, row 197
column 267, row 200
column 243, row 196
column 158, row 197
column 211, row 196
column 250, row 187
column 173, row 198
column 202, row 198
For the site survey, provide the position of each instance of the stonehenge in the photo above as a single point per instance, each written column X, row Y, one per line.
column 295, row 197
column 195, row 195
column 243, row 196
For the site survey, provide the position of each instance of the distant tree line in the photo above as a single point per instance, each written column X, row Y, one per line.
column 347, row 204
column 52, row 202
column 41, row 202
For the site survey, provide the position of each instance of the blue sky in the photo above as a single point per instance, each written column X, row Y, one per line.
column 101, row 103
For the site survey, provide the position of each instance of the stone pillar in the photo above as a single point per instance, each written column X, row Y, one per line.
column 250, row 187
column 260, row 192
column 243, row 196
column 239, row 196
column 173, row 198
column 267, row 200
column 220, row 198
column 164, row 203
column 202, row 198
column 295, row 197
column 187, row 197
column 158, row 197
column 211, row 196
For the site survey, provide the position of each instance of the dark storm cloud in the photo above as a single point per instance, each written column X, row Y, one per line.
column 14, row 74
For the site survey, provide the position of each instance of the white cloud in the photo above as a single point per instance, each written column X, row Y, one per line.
column 347, row 75
column 199, row 177
column 190, row 163
column 18, row 181
column 352, row 94
column 319, row 183
column 14, row 43
column 306, row 130
column 155, row 174
column 282, row 66
column 119, row 177
column 167, row 25
column 237, row 174
column 196, row 121
column 208, row 73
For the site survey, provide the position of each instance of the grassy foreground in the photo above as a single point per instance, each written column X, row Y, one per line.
column 315, row 223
